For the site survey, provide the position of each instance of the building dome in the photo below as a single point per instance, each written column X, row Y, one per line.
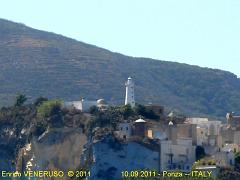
column 140, row 121
column 171, row 114
column 101, row 102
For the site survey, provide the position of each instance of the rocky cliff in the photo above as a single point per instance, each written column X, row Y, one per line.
column 57, row 149
column 111, row 158
column 65, row 149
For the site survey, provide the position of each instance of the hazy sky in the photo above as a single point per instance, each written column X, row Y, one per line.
column 199, row 32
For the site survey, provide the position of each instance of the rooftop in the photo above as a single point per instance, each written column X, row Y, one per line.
column 140, row 121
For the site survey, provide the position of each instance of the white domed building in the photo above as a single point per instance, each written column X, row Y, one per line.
column 102, row 104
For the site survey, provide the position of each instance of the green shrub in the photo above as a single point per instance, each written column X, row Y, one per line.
column 49, row 108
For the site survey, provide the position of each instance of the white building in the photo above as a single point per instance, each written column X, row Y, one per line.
column 229, row 136
column 129, row 98
column 236, row 137
column 202, row 136
column 83, row 105
column 177, row 156
column 233, row 147
column 195, row 120
column 233, row 121
column 124, row 130
column 225, row 158
column 102, row 104
column 207, row 131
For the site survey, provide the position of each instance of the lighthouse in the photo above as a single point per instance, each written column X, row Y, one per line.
column 129, row 99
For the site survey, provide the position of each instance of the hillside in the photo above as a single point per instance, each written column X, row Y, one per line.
column 38, row 63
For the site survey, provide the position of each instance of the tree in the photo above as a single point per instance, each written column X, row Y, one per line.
column 145, row 112
column 20, row 100
column 228, row 173
column 39, row 101
column 126, row 111
column 140, row 109
column 51, row 111
column 237, row 157
column 237, row 160
column 94, row 110
column 49, row 108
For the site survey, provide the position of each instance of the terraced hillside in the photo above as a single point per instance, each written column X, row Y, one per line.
column 39, row 63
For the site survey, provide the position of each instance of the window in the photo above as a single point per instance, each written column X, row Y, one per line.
column 127, row 128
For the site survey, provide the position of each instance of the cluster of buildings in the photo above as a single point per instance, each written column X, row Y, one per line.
column 85, row 105
column 178, row 142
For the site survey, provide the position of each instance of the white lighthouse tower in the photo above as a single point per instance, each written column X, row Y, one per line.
column 129, row 99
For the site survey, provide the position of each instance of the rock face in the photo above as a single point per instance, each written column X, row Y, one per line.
column 64, row 149
column 110, row 158
column 8, row 144
column 57, row 149
column 6, row 161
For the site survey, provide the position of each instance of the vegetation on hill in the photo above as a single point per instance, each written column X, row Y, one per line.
column 41, row 63
column 18, row 124
column 116, row 114
column 228, row 173
column 237, row 161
